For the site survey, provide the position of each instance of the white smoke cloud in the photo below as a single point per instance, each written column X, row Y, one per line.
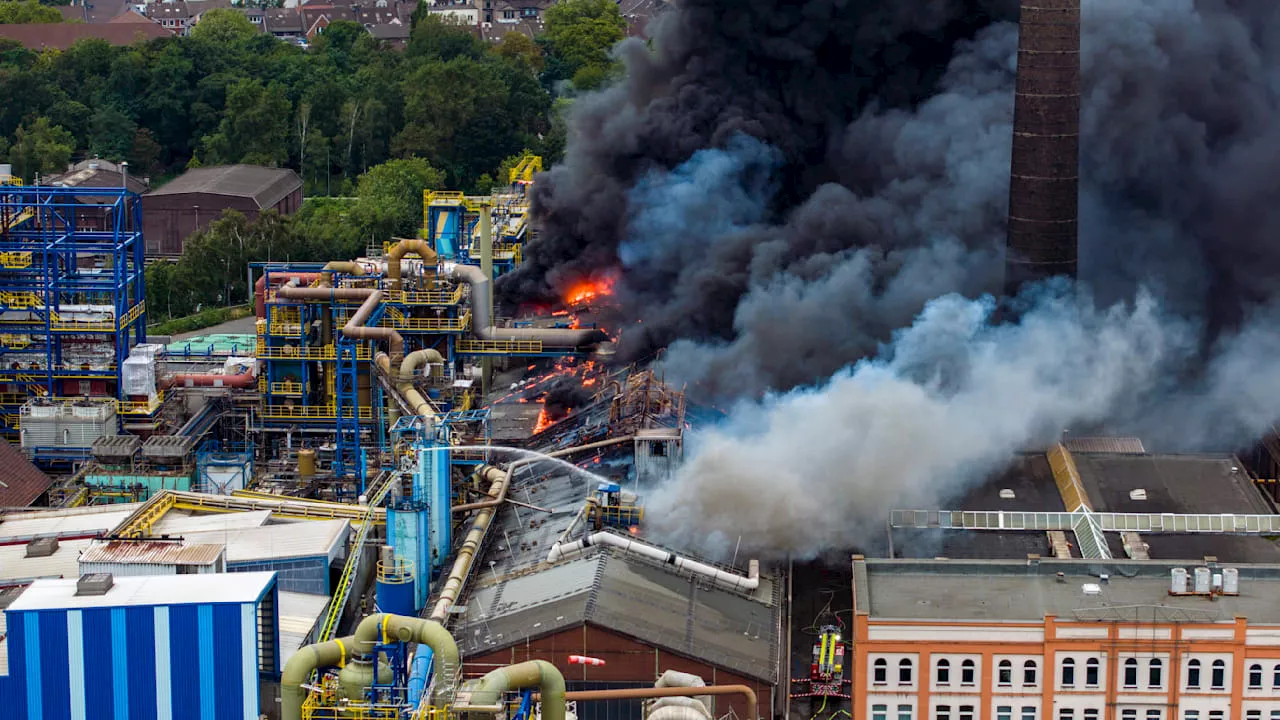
column 941, row 407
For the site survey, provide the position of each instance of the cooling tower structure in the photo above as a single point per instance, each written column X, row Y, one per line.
column 1045, row 169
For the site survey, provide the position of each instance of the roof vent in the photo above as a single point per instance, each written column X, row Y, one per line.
column 1139, row 494
column 1006, row 494
column 94, row 584
column 1091, row 589
column 42, row 547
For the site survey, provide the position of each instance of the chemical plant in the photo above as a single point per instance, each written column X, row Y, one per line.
column 382, row 514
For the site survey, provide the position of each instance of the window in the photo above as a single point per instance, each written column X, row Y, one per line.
column 1153, row 715
column 1219, row 675
column 1068, row 672
column 966, row 712
column 1066, row 714
column 1028, row 712
column 1275, row 715
column 1155, row 674
column 904, row 712
column 944, row 672
column 1004, row 712
column 1029, row 672
column 1091, row 672
column 1129, row 714
column 1190, row 715
column 1005, row 675
column 904, row 674
column 1091, row 714
column 1131, row 673
column 1216, row 715
column 880, row 672
column 879, row 712
column 942, row 713
column 967, row 673
column 1275, row 677
column 1193, row 675
column 1253, row 715
column 1255, row 677
column 509, row 14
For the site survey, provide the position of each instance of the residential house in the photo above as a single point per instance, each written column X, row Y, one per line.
column 316, row 17
column 395, row 34
column 172, row 16
column 284, row 23
column 466, row 12
column 60, row 36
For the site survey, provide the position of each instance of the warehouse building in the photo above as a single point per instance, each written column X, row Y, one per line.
column 140, row 647
column 199, row 196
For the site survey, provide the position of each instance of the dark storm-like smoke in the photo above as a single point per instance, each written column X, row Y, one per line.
column 773, row 230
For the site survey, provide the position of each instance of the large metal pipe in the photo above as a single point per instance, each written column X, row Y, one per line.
column 355, row 327
column 591, row 446
column 297, row 671
column 467, row 552
column 500, row 479
column 642, row 693
column 407, row 247
column 384, row 628
column 488, row 690
column 404, row 383
column 482, row 316
column 733, row 581
column 1045, row 168
column 260, row 287
column 241, row 381
column 338, row 266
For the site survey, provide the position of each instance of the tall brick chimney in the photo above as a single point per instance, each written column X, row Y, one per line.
column 1045, row 171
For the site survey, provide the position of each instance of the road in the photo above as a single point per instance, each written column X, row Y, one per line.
column 818, row 587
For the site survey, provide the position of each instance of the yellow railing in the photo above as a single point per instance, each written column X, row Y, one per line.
column 281, row 314
column 144, row 407
column 60, row 325
column 512, row 249
column 15, row 260
column 310, row 412
column 16, row 342
column 286, row 388
column 428, row 297
column 339, row 598
column 525, row 169
column 284, row 329
column 323, row 352
column 20, row 300
column 13, row 398
column 499, row 347
column 448, row 325
column 21, row 217
column 139, row 524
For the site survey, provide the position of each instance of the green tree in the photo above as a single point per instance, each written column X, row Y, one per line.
column 144, row 153
column 255, row 126
column 25, row 12
column 518, row 48
column 390, row 197
column 579, row 35
column 441, row 38
column 40, row 148
column 223, row 26
column 112, row 133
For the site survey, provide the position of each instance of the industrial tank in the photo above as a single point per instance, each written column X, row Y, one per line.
column 307, row 462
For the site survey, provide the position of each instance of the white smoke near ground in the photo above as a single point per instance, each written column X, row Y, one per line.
column 940, row 408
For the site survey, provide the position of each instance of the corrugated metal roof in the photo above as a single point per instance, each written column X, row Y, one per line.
column 147, row 590
column 299, row 613
column 650, row 604
column 63, row 563
column 311, row 538
column 22, row 482
column 179, row 522
column 1113, row 445
column 98, row 518
column 266, row 186
column 152, row 553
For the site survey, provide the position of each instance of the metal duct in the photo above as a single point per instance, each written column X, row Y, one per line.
column 482, row 316
column 298, row 669
column 260, row 288
column 487, row 691
column 407, row 247
column 467, row 551
column 243, row 380
column 338, row 266
column 733, row 581
column 640, row 693
column 1045, row 167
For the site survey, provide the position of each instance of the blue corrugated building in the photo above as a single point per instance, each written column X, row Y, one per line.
column 173, row 647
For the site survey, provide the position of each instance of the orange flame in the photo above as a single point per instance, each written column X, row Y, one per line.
column 544, row 422
column 588, row 290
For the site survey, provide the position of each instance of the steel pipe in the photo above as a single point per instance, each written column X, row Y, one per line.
column 733, row 581
column 488, row 690
column 482, row 316
column 260, row 288
column 643, row 693
column 297, row 671
column 407, row 247
column 466, row 553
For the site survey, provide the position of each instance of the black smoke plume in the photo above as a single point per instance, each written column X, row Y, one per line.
column 564, row 395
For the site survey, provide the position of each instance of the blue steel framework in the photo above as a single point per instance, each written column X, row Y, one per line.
column 310, row 376
column 50, row 258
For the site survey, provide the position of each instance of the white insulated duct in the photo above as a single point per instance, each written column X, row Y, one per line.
column 680, row 712
column 723, row 578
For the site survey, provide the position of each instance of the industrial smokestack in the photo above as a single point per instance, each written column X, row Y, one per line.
column 1045, row 170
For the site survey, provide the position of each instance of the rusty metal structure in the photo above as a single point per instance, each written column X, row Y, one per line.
column 643, row 400
column 1045, row 168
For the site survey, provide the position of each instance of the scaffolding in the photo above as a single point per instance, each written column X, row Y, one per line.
column 71, row 294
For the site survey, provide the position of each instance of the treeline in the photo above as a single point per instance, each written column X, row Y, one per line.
column 347, row 103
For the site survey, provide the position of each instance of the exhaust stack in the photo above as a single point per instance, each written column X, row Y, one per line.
column 1045, row 169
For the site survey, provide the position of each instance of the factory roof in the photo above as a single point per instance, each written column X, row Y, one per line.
column 23, row 482
column 100, row 173
column 60, row 36
column 265, row 186
column 88, row 521
column 1016, row 591
column 148, row 590
column 642, row 601
column 1181, row 484
column 310, row 538
column 15, row 566
column 178, row 522
column 152, row 553
column 299, row 613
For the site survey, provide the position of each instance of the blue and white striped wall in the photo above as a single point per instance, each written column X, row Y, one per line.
column 167, row 662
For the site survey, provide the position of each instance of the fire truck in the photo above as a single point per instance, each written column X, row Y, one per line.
column 826, row 673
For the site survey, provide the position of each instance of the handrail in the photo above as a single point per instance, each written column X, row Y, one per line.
column 340, row 594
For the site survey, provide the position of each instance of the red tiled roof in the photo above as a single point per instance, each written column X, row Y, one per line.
column 22, row 481
column 60, row 36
